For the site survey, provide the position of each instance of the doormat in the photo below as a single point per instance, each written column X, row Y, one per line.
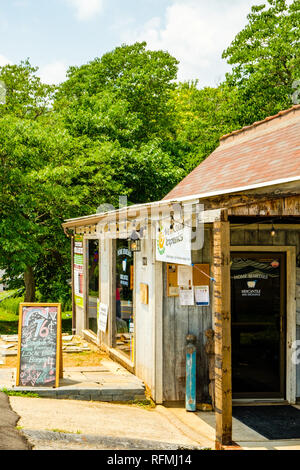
column 273, row 422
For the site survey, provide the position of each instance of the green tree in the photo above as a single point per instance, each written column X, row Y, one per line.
column 131, row 77
column 266, row 60
column 65, row 162
column 25, row 95
column 31, row 204
column 122, row 104
column 27, row 100
column 202, row 117
column 265, row 57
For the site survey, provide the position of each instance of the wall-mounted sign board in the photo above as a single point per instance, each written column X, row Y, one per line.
column 173, row 246
column 200, row 277
column 40, row 345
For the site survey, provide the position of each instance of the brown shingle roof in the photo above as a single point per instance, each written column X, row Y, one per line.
column 266, row 151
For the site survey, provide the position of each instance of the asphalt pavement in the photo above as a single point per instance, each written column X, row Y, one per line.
column 10, row 437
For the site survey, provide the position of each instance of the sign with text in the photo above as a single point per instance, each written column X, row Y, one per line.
column 78, row 270
column 173, row 245
column 202, row 295
column 39, row 347
column 102, row 311
column 186, row 296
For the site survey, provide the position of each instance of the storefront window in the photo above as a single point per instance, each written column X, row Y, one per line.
column 93, row 283
column 124, row 299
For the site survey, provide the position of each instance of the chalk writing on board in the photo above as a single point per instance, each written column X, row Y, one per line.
column 38, row 346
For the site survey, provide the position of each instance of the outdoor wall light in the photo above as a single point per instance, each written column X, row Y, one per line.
column 273, row 231
column 172, row 223
column 134, row 243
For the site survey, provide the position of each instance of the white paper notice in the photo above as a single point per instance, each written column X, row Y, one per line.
column 202, row 295
column 186, row 297
column 102, row 316
column 185, row 276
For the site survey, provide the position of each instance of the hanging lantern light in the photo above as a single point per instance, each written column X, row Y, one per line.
column 172, row 223
column 273, row 231
column 134, row 243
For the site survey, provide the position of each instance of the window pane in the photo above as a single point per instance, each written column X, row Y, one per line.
column 93, row 283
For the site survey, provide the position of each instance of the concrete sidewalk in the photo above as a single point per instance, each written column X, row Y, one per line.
column 109, row 382
column 70, row 424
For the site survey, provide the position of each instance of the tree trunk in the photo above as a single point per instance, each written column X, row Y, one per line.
column 29, row 285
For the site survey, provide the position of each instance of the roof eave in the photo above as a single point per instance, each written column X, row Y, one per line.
column 95, row 218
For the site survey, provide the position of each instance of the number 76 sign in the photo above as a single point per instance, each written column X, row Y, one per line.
column 40, row 345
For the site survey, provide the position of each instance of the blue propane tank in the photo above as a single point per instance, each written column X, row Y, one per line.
column 190, row 396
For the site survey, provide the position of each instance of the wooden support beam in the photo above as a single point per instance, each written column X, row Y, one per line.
column 222, row 324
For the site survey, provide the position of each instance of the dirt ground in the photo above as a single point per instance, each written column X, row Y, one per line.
column 79, row 359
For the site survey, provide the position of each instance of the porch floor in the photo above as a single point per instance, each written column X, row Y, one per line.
column 109, row 382
column 202, row 423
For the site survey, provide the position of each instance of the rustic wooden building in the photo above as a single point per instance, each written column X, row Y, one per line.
column 249, row 189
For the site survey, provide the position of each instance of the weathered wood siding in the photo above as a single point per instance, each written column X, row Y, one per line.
column 262, row 237
column 178, row 322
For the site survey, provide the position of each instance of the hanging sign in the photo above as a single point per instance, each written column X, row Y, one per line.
column 39, row 352
column 173, row 245
column 78, row 270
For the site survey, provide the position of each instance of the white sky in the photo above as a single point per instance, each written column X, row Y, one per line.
column 60, row 33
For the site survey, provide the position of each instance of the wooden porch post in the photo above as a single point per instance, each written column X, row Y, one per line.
column 222, row 321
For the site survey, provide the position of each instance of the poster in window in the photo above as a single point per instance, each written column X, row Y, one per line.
column 78, row 270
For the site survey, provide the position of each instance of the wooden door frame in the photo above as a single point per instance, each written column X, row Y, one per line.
column 290, row 277
column 281, row 393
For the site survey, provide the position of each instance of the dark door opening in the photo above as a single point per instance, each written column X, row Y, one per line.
column 124, row 338
column 258, row 325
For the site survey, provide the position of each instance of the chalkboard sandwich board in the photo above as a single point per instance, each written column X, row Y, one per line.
column 39, row 347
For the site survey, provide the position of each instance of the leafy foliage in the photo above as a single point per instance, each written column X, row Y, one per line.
column 266, row 60
column 26, row 96
column 133, row 74
column 120, row 125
